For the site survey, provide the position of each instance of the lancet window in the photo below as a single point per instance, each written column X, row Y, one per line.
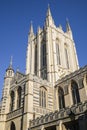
column 61, row 98
column 19, row 91
column 42, row 97
column 12, row 101
column 75, row 92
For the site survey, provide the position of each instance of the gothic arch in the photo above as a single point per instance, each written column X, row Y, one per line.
column 12, row 126
column 12, row 97
column 43, row 87
column 75, row 92
column 43, row 96
column 19, row 93
column 61, row 98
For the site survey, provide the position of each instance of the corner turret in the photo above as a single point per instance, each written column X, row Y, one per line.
column 7, row 80
column 9, row 70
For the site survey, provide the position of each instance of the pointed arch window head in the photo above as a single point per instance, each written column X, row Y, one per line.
column 43, row 97
column 12, row 127
column 58, row 52
column 19, row 91
column 66, row 55
column 61, row 98
column 75, row 92
column 12, row 101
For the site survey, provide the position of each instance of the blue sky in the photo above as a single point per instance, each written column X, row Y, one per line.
column 15, row 17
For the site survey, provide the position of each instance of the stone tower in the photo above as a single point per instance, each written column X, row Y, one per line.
column 7, row 80
column 51, row 53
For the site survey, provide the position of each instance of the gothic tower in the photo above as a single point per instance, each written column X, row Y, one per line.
column 7, row 79
column 51, row 54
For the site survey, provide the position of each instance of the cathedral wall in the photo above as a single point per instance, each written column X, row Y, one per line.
column 67, row 100
column 2, row 125
column 67, row 64
column 17, row 122
column 38, row 85
column 73, row 88
column 83, row 96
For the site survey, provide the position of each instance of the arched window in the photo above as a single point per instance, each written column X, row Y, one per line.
column 12, row 127
column 12, row 100
column 19, row 97
column 61, row 98
column 36, row 59
column 66, row 56
column 75, row 92
column 43, row 61
column 42, row 97
column 58, row 53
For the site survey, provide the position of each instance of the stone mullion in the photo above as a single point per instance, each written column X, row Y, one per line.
column 60, row 125
column 70, row 94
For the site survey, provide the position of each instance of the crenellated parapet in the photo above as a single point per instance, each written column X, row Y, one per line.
column 74, row 112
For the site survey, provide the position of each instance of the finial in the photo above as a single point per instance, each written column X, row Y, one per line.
column 11, row 62
column 48, row 11
column 31, row 28
column 67, row 20
column 67, row 25
column 17, row 69
column 60, row 26
column 48, row 5
column 31, row 23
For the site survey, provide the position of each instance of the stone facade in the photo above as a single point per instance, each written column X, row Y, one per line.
column 52, row 93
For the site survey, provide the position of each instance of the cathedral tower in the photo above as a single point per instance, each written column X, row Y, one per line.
column 7, row 79
column 51, row 54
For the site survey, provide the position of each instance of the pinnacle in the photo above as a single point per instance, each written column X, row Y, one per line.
column 31, row 28
column 48, row 11
column 10, row 66
column 67, row 25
